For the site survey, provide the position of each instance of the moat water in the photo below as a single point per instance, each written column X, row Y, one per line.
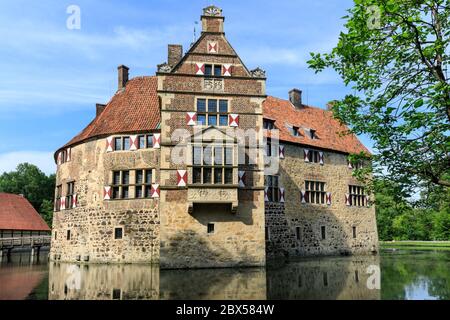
column 399, row 274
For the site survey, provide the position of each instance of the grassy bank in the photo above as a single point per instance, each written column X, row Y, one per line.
column 417, row 245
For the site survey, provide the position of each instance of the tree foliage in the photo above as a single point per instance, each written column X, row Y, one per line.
column 35, row 185
column 395, row 54
column 46, row 211
column 427, row 218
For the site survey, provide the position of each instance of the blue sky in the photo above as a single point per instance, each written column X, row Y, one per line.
column 52, row 77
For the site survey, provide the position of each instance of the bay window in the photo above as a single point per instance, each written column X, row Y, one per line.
column 212, row 164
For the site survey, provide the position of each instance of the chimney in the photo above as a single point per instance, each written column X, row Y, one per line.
column 295, row 97
column 175, row 53
column 212, row 20
column 123, row 76
column 99, row 109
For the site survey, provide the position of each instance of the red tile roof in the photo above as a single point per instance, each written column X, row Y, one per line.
column 327, row 128
column 16, row 213
column 134, row 109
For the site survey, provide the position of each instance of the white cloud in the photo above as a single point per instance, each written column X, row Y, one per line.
column 43, row 160
column 298, row 55
column 42, row 39
column 54, row 67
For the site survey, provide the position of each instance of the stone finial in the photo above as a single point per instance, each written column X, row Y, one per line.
column 212, row 11
column 164, row 68
column 258, row 73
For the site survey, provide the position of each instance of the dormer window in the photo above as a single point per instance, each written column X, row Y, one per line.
column 312, row 133
column 295, row 131
column 268, row 124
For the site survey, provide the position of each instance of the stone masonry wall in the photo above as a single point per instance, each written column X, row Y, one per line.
column 92, row 223
column 280, row 241
column 238, row 237
column 338, row 218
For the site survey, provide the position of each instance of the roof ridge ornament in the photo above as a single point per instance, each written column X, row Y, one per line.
column 164, row 68
column 258, row 73
column 212, row 11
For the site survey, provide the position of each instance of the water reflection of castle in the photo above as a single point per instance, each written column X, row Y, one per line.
column 331, row 278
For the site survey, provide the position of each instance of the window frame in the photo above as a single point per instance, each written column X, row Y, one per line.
column 269, row 147
column 202, row 168
column 211, row 228
column 323, row 232
column 213, row 66
column 268, row 124
column 122, row 232
column 267, row 233
column 120, row 185
column 315, row 192
column 116, row 140
column 357, row 196
column 58, row 196
column 314, row 156
column 70, row 192
column 123, row 143
column 298, row 234
column 144, row 185
column 218, row 114
column 126, row 140
column 272, row 183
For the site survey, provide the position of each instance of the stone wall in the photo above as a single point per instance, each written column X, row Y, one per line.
column 338, row 218
column 92, row 235
column 280, row 240
column 238, row 238
column 93, row 221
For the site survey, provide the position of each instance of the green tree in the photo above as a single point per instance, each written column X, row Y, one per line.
column 427, row 218
column 35, row 185
column 441, row 219
column 46, row 211
column 389, row 204
column 395, row 54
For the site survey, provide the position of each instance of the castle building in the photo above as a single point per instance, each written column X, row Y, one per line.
column 197, row 167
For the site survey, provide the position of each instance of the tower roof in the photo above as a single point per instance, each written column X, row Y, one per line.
column 133, row 109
